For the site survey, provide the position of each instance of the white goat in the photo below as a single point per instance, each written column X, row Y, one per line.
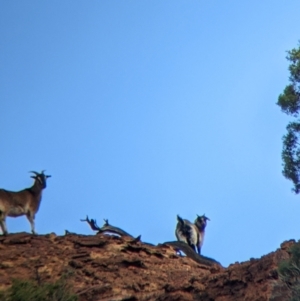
column 192, row 233
column 23, row 202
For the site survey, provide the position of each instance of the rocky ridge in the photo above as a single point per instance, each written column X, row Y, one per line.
column 111, row 268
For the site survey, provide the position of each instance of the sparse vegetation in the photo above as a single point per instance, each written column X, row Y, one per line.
column 289, row 272
column 29, row 290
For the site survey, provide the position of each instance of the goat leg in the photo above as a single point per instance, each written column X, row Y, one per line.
column 31, row 217
column 190, row 243
column 3, row 226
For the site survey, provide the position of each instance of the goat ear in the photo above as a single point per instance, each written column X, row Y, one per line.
column 34, row 177
column 180, row 220
column 48, row 177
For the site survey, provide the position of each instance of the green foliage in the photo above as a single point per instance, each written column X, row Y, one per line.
column 27, row 290
column 289, row 101
column 289, row 272
column 291, row 155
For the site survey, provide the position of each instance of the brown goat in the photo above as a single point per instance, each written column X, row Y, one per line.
column 23, row 202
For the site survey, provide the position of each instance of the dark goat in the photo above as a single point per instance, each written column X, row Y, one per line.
column 191, row 233
column 200, row 223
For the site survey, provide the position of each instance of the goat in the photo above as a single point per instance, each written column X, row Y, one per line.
column 192, row 233
column 23, row 202
column 200, row 223
column 187, row 232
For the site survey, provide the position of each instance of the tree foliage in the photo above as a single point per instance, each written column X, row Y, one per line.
column 289, row 272
column 289, row 101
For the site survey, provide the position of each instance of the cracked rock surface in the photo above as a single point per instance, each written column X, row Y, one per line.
column 116, row 268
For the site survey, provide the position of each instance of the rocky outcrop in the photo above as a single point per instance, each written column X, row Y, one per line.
column 118, row 268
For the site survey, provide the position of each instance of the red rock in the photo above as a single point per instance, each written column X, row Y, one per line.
column 110, row 268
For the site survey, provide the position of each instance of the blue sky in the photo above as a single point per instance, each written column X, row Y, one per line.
column 142, row 110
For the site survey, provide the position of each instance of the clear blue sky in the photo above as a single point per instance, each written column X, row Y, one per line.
column 142, row 110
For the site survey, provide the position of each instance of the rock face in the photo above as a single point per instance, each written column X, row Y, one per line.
column 118, row 268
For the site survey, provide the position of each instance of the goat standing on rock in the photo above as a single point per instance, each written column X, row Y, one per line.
column 23, row 202
column 192, row 233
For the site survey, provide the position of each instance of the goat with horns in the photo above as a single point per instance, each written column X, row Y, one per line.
column 192, row 233
column 23, row 202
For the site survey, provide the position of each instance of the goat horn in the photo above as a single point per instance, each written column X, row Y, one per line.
column 36, row 173
column 206, row 217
